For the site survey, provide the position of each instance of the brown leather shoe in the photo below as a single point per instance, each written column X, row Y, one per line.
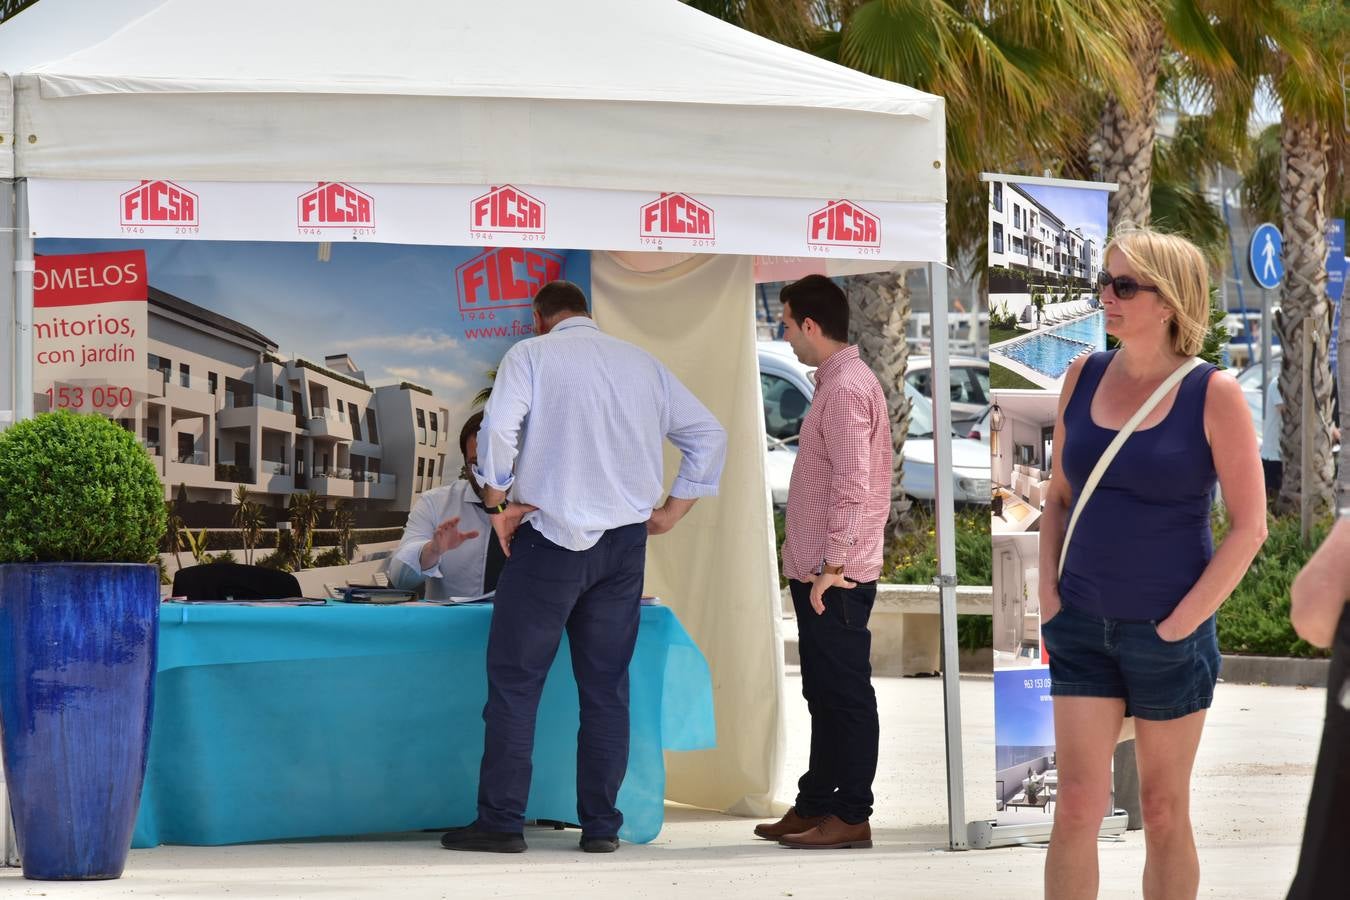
column 831, row 834
column 791, row 823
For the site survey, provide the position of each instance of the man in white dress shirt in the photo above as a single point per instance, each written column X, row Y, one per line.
column 448, row 543
column 575, row 430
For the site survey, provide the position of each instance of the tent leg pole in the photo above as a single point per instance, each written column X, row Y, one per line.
column 946, row 558
column 8, row 309
column 23, row 304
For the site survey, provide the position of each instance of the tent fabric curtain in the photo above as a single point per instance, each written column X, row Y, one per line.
column 718, row 568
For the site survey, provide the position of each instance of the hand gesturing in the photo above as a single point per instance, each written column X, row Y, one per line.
column 448, row 536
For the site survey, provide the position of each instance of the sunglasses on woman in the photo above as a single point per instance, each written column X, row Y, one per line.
column 1123, row 286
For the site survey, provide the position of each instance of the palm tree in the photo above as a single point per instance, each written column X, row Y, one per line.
column 248, row 518
column 344, row 520
column 878, row 310
column 173, row 534
column 304, row 516
column 1182, row 168
column 480, row 399
column 1214, row 49
column 1312, row 138
column 10, row 8
column 997, row 62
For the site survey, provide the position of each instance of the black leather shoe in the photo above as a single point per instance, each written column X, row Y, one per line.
column 599, row 844
column 469, row 837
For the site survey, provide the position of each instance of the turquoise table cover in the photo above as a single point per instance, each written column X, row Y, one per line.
column 292, row 722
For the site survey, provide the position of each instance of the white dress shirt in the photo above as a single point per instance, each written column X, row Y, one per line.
column 576, row 426
column 459, row 572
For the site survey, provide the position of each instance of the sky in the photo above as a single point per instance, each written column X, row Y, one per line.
column 1081, row 208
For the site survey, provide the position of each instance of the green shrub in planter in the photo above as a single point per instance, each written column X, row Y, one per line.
column 77, row 488
column 81, row 515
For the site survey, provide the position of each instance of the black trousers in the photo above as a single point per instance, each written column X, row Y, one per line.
column 595, row 595
column 836, row 649
column 1324, row 861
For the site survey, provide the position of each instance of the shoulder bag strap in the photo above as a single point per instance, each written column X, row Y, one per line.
column 1111, row 449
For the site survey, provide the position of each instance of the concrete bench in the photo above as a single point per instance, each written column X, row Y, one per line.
column 906, row 626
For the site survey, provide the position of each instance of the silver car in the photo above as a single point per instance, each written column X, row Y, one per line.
column 968, row 389
column 788, row 386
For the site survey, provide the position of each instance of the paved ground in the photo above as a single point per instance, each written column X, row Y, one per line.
column 1251, row 788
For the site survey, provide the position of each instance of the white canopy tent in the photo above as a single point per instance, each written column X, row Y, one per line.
column 585, row 112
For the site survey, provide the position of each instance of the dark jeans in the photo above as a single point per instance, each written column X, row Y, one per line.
column 1323, row 863
column 1273, row 469
column 835, row 649
column 595, row 595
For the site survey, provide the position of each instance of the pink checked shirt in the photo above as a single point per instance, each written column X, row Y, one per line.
column 840, row 494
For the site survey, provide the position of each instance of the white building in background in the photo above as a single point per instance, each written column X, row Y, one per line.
column 222, row 408
column 1026, row 235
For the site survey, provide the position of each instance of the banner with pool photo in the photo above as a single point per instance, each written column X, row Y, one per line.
column 1046, row 239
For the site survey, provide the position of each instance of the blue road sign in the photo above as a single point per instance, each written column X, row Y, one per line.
column 1265, row 256
column 1336, row 265
column 1336, row 259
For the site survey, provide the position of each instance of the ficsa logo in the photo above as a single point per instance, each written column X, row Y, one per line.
column 159, row 203
column 677, row 217
column 843, row 223
column 504, row 278
column 336, row 205
column 509, row 209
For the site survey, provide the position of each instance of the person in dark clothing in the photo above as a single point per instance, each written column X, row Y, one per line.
column 1320, row 616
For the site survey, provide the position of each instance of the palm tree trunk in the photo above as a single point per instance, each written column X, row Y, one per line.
column 1125, row 132
column 879, row 307
column 1342, row 384
column 1304, row 146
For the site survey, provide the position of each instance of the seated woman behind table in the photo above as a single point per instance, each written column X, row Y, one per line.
column 448, row 544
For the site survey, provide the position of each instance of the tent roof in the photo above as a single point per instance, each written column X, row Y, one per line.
column 638, row 95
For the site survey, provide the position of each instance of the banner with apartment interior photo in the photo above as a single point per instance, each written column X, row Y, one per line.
column 343, row 370
column 1025, row 777
column 1046, row 239
column 1021, row 457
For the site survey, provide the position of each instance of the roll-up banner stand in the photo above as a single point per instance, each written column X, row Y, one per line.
column 1046, row 243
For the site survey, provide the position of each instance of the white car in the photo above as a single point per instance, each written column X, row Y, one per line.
column 969, row 385
column 979, row 429
column 1250, row 382
column 788, row 387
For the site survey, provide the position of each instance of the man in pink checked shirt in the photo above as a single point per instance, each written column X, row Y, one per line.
column 838, row 503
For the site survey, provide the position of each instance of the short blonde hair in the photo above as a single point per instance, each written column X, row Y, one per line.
column 1179, row 270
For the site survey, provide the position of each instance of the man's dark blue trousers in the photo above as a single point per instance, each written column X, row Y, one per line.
column 594, row 595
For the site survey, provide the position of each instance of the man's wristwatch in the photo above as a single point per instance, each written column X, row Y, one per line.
column 832, row 570
column 497, row 510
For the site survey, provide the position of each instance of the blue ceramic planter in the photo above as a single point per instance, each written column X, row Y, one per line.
column 77, row 672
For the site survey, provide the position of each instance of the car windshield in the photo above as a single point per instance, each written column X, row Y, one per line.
column 920, row 413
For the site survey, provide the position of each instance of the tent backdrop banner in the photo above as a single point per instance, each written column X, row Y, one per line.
column 276, row 367
column 500, row 214
column 718, row 569
column 265, row 366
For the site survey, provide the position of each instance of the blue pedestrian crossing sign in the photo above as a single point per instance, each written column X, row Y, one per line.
column 1265, row 256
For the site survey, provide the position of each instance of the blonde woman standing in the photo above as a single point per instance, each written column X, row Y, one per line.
column 1129, row 624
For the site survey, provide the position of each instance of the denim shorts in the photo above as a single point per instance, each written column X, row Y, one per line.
column 1091, row 656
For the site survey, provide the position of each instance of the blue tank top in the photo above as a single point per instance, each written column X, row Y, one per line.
column 1144, row 536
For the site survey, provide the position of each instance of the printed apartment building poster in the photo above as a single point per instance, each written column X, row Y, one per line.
column 1046, row 238
column 345, row 371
